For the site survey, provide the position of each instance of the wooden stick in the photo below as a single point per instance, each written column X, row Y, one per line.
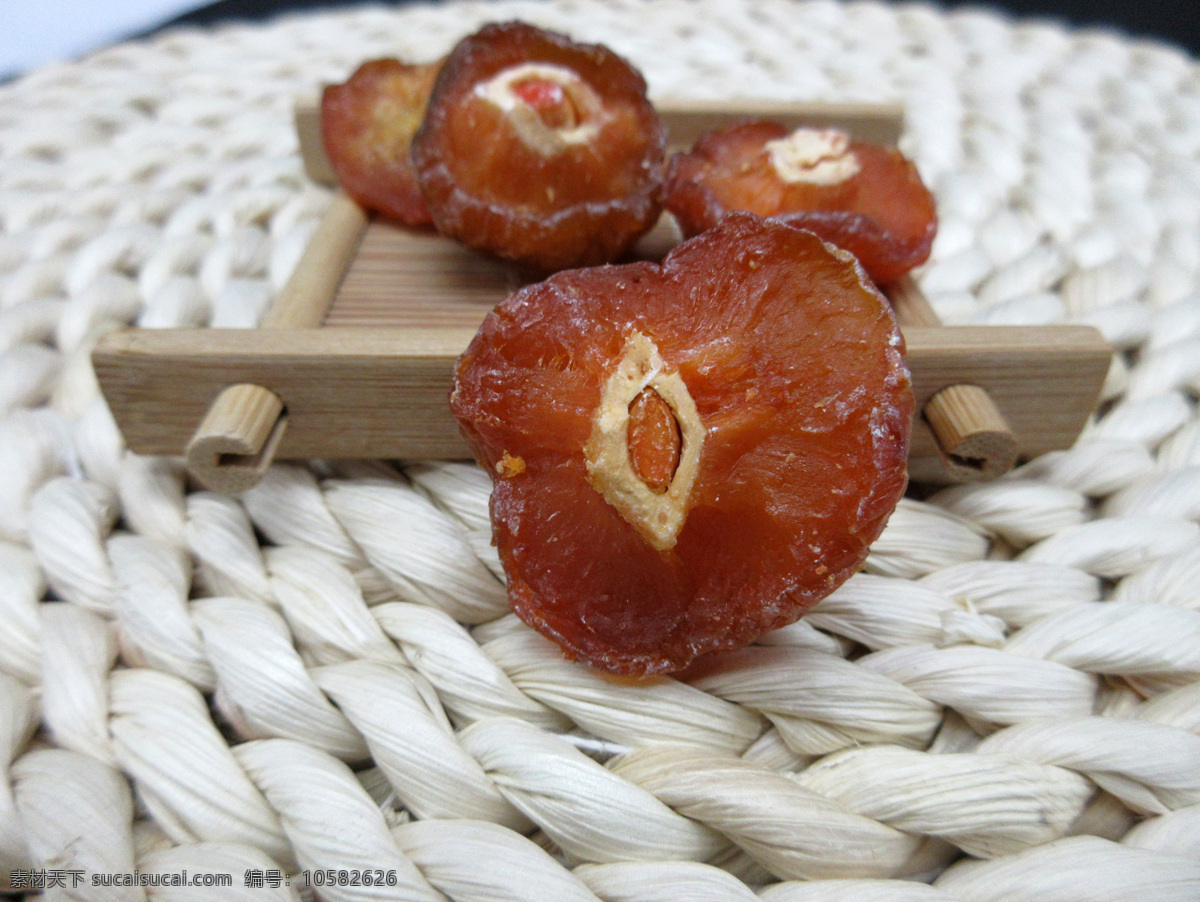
column 235, row 443
column 307, row 114
column 308, row 293
column 239, row 435
column 911, row 306
column 973, row 440
column 381, row 392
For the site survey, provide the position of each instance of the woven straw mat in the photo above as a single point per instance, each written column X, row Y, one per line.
column 320, row 675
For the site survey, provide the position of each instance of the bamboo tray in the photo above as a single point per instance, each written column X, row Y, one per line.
column 354, row 359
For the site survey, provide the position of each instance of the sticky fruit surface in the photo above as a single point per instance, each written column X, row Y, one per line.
column 540, row 150
column 864, row 198
column 367, row 126
column 791, row 441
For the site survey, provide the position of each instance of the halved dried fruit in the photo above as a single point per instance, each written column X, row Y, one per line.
column 864, row 198
column 540, row 150
column 367, row 126
column 708, row 446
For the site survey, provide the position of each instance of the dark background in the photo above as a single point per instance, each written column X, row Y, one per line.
column 1173, row 21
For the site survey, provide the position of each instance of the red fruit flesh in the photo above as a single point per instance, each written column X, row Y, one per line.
column 549, row 100
column 795, row 366
column 883, row 213
column 367, row 126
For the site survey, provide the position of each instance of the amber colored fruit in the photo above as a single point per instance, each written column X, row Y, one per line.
column 654, row 440
column 787, row 456
column 883, row 213
column 540, row 150
column 367, row 126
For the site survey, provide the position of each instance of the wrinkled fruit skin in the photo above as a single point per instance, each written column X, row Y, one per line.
column 584, row 205
column 367, row 126
column 884, row 214
column 795, row 364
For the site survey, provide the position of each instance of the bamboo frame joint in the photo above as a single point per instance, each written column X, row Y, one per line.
column 236, row 441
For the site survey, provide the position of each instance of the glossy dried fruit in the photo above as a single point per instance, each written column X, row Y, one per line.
column 864, row 198
column 782, row 369
column 540, row 150
column 367, row 126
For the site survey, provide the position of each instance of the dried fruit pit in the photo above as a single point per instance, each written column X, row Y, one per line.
column 632, row 456
column 654, row 440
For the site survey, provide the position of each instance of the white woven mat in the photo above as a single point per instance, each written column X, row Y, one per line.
column 319, row 675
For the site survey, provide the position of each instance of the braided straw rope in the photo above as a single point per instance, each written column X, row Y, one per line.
column 321, row 673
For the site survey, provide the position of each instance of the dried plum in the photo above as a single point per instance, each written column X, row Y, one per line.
column 540, row 150
column 865, row 198
column 638, row 543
